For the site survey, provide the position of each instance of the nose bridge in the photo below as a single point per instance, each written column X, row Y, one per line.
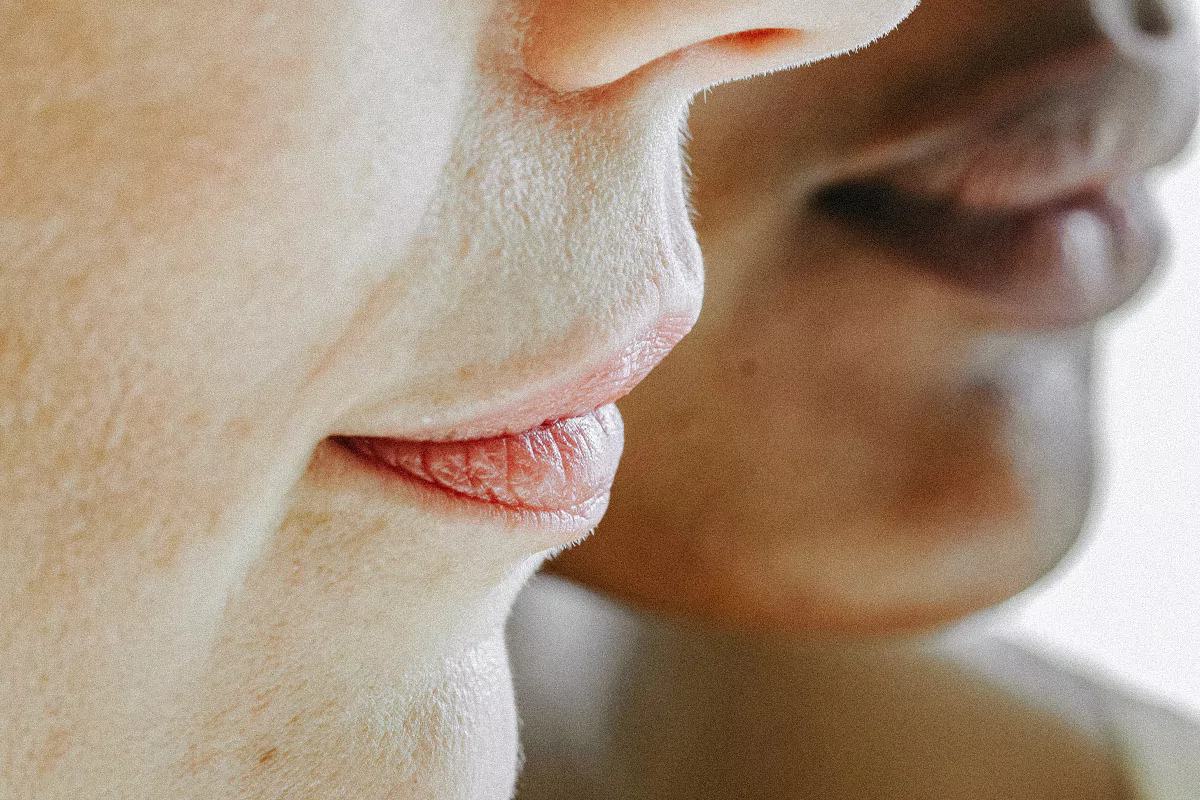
column 572, row 45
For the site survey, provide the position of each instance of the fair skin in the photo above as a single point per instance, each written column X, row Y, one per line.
column 878, row 426
column 231, row 232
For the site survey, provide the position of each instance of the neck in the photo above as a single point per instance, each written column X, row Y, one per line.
column 622, row 705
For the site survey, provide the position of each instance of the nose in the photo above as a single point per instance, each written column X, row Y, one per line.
column 1157, row 33
column 573, row 45
column 1155, row 42
column 1158, row 20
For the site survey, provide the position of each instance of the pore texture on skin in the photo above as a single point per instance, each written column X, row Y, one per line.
column 235, row 234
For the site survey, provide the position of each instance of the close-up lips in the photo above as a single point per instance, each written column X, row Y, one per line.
column 563, row 466
column 1032, row 199
column 549, row 460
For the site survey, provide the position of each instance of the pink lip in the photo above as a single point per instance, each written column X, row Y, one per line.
column 608, row 382
column 552, row 456
column 564, row 467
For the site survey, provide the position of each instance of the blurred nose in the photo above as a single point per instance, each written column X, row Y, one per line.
column 1155, row 41
column 572, row 45
column 1155, row 32
column 1150, row 19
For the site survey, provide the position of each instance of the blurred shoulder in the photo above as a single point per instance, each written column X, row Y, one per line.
column 1158, row 741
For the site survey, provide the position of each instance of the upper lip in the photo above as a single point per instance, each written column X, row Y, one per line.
column 591, row 385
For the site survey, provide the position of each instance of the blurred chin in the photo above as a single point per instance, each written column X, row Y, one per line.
column 854, row 532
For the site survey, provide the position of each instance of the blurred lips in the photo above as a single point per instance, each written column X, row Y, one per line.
column 557, row 470
column 1063, row 263
column 1034, row 202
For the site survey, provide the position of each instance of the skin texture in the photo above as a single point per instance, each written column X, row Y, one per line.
column 848, row 443
column 231, row 231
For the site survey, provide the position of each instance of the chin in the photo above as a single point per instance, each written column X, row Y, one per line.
column 885, row 581
column 835, row 522
column 872, row 577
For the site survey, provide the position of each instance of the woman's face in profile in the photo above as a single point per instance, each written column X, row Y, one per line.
column 235, row 237
column 883, row 417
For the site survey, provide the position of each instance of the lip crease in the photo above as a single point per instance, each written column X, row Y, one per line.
column 548, row 459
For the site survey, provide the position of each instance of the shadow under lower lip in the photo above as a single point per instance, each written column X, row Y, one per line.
column 1061, row 264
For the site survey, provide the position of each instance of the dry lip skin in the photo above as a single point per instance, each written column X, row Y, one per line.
column 559, row 470
column 562, row 467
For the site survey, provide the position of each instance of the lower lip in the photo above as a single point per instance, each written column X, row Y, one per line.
column 558, row 474
column 1061, row 264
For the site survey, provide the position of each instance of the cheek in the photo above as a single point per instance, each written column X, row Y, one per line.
column 195, row 202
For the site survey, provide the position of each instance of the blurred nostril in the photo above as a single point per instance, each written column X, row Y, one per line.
column 1152, row 18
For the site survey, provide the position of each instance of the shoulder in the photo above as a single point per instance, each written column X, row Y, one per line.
column 1161, row 745
column 1158, row 742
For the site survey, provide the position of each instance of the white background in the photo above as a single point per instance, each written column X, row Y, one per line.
column 1129, row 600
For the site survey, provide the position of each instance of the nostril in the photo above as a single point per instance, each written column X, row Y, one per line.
column 759, row 39
column 1152, row 18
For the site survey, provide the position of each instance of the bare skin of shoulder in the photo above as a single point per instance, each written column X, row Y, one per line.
column 617, row 705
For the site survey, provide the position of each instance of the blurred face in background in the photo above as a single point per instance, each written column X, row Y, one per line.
column 270, row 274
column 883, row 418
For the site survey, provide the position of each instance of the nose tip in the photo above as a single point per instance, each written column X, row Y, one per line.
column 1145, row 25
column 1152, row 17
column 574, row 45
column 1157, row 44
